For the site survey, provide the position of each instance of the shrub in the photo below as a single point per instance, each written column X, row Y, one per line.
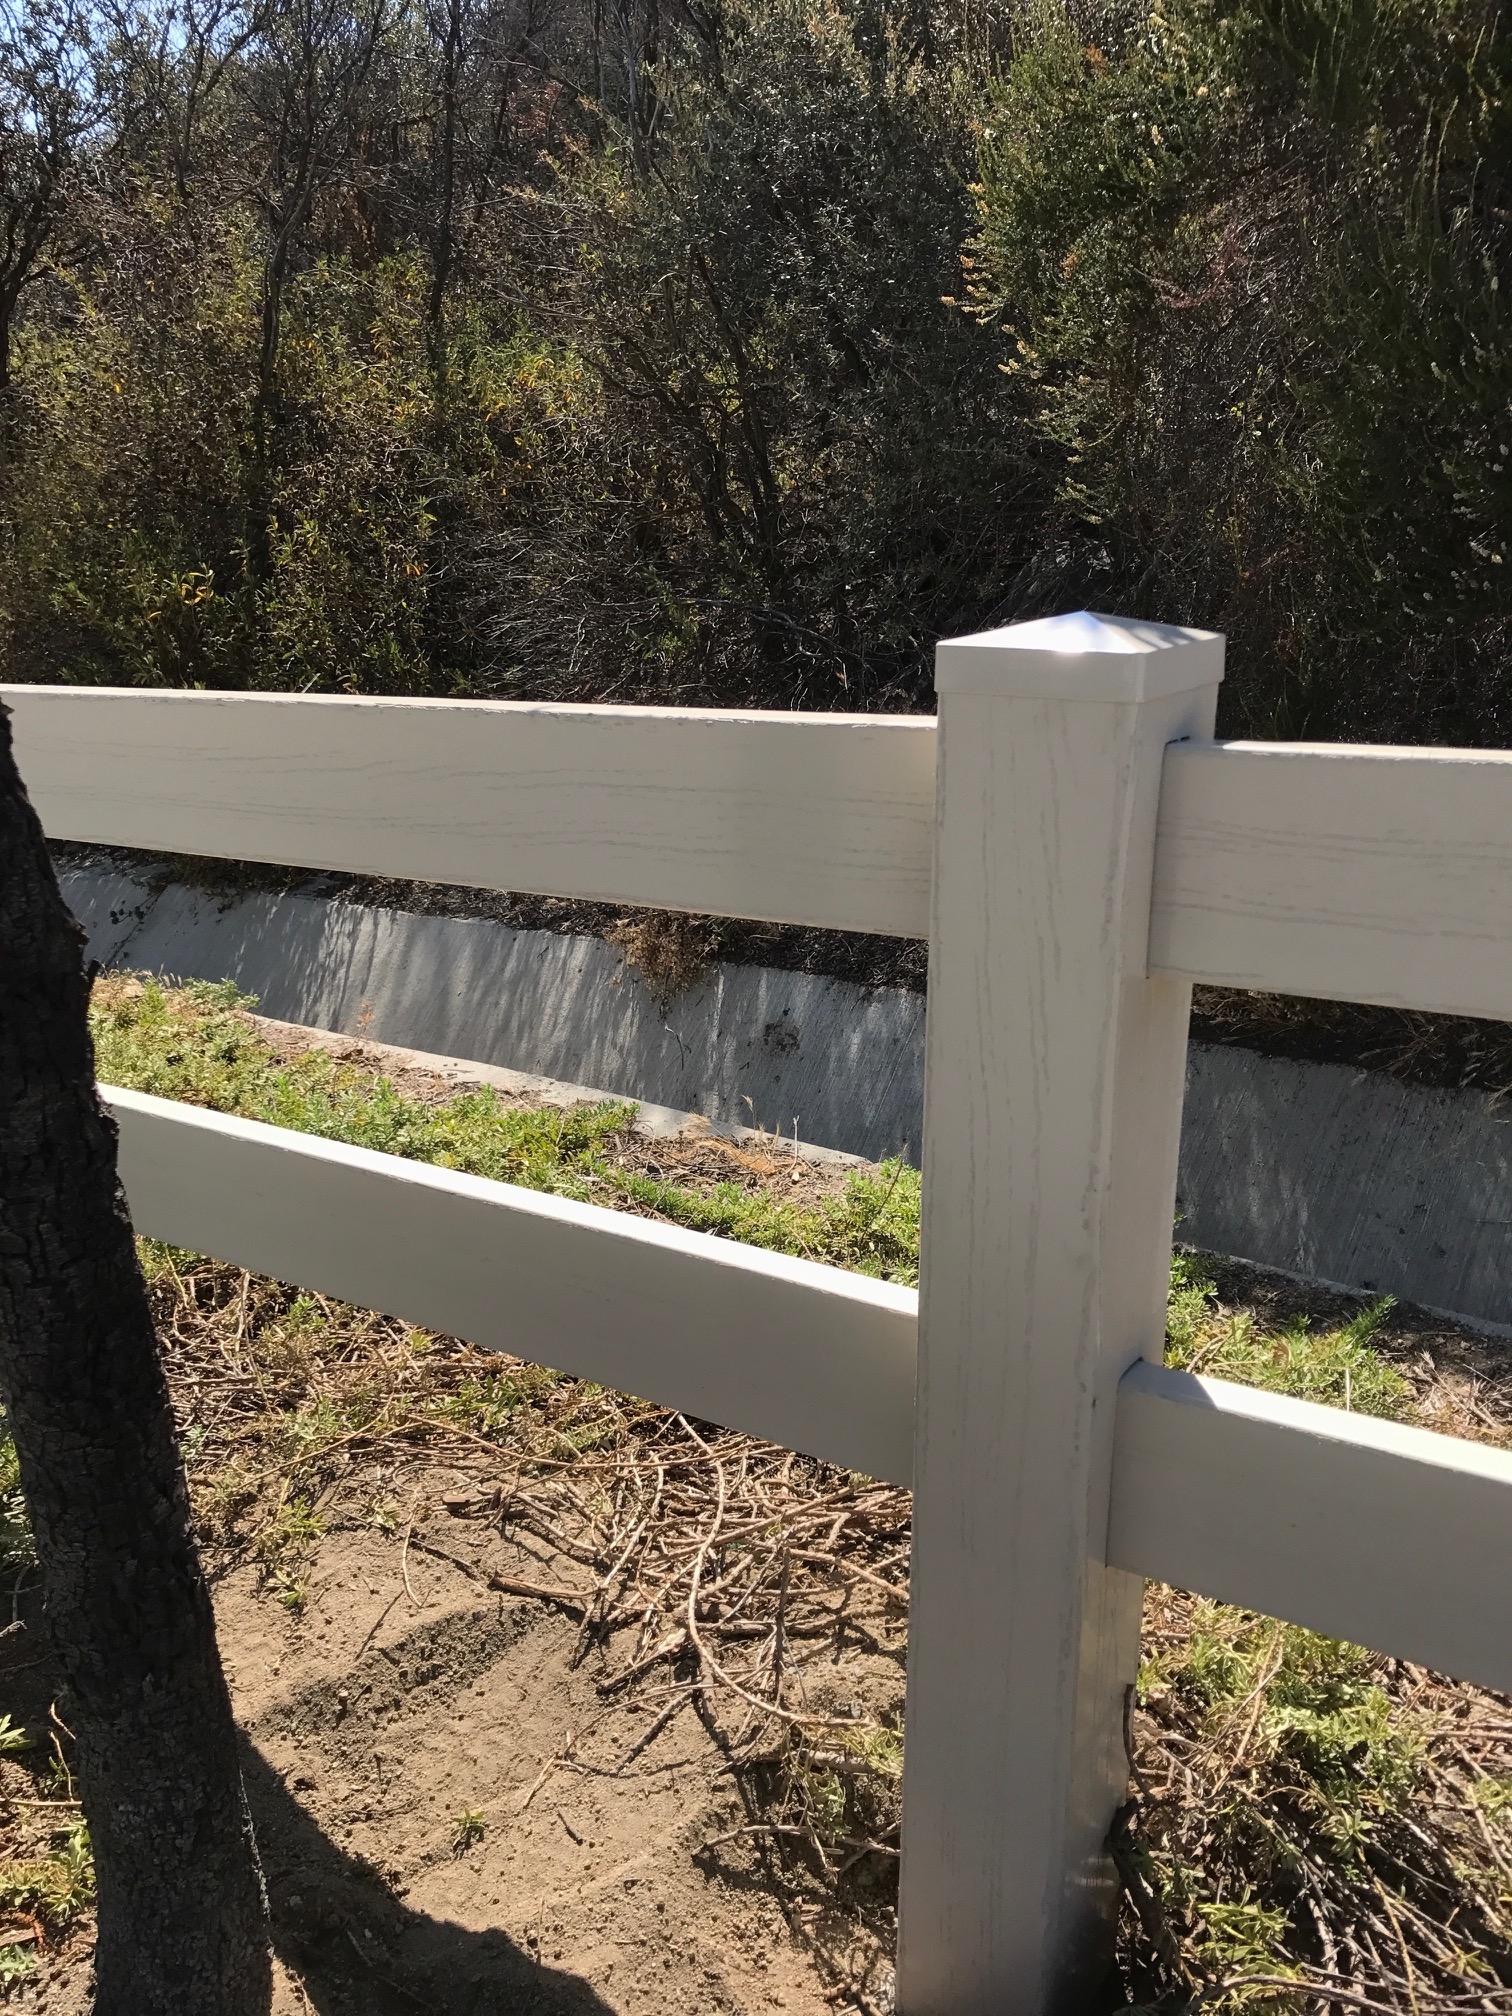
column 1252, row 260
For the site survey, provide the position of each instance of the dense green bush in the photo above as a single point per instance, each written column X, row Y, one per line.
column 693, row 417
column 1253, row 259
column 834, row 462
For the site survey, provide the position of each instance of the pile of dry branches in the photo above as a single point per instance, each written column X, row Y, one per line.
column 1311, row 1829
column 744, row 1575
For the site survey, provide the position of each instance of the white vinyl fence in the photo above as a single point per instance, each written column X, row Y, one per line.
column 1078, row 852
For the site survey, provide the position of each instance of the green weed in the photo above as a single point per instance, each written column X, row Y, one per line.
column 17, row 1550
column 1493, row 1795
column 58, row 1887
column 196, row 1044
column 16, row 1963
column 841, row 1795
column 1337, row 1367
column 288, row 1536
column 1305, row 1773
column 490, row 1403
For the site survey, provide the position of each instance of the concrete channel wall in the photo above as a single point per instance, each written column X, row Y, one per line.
column 1340, row 1175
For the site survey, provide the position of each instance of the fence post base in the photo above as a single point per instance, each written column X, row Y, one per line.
column 1053, row 1087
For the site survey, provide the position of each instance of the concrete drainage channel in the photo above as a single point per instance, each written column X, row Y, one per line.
column 1339, row 1175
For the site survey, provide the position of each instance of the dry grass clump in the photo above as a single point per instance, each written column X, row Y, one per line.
column 667, row 949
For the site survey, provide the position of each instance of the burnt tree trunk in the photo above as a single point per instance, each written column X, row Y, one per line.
column 182, row 1913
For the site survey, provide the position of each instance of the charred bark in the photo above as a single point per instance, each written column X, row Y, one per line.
column 182, row 1914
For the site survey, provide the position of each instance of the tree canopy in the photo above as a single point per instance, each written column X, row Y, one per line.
column 736, row 350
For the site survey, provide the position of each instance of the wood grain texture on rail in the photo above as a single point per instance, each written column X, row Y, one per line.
column 1054, row 1071
column 1381, row 875
column 819, row 819
column 809, row 1356
column 1334, row 1520
column 1355, row 874
column 1390, row 1536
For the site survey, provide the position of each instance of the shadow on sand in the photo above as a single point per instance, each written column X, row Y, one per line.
column 357, row 1948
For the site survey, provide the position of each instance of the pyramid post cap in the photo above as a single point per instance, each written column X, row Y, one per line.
column 1082, row 656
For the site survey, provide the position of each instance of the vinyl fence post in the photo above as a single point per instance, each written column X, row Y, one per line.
column 1053, row 1089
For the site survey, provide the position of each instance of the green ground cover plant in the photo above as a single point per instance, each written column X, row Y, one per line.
column 196, row 1044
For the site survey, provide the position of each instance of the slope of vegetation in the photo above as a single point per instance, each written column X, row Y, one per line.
column 737, row 350
column 196, row 1044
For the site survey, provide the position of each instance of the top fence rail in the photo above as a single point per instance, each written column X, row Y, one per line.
column 1377, row 875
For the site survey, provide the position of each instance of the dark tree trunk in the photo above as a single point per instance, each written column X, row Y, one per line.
column 182, row 1914
column 444, row 240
